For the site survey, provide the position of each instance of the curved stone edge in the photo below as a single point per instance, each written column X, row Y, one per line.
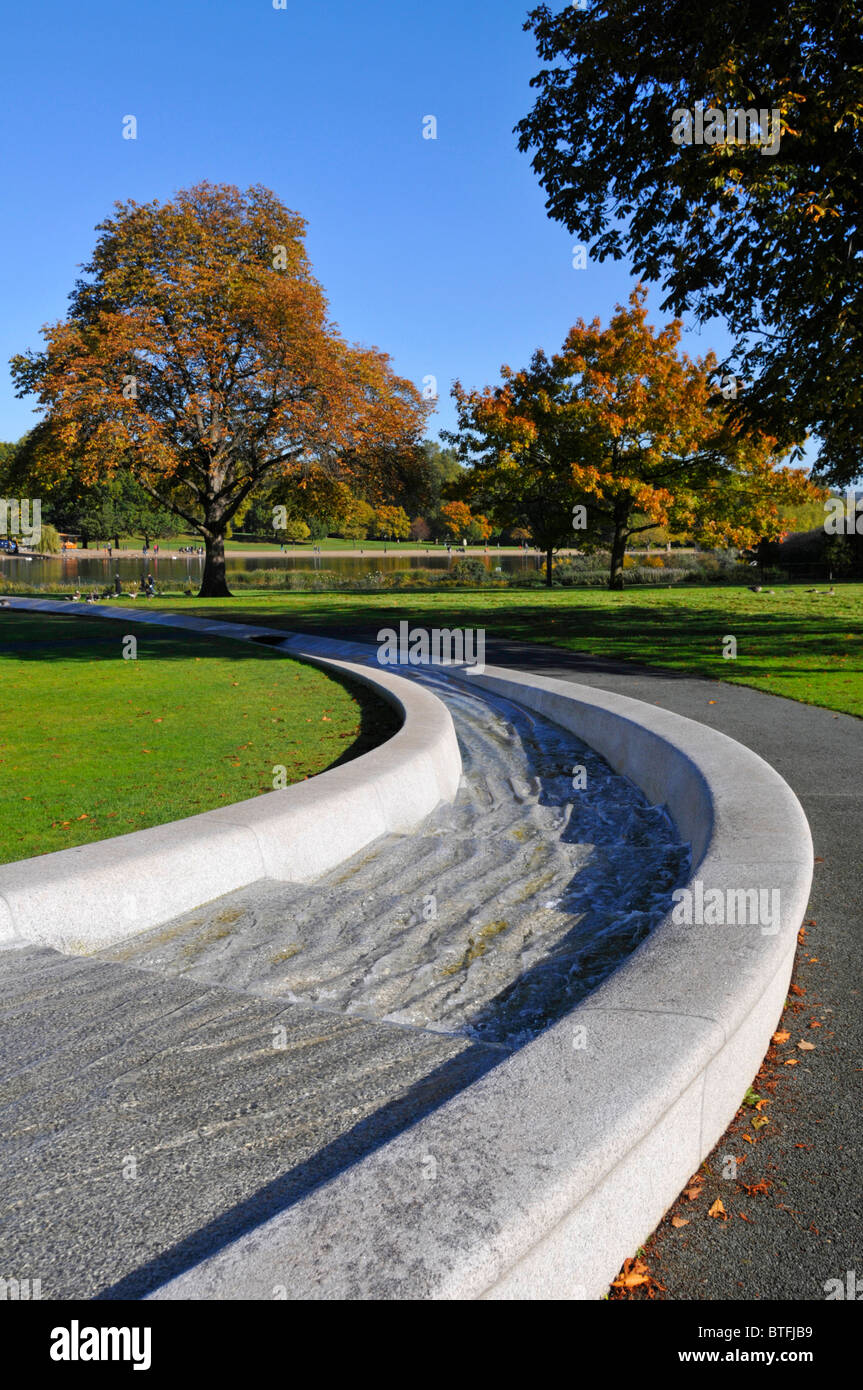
column 94, row 895
column 539, row 1179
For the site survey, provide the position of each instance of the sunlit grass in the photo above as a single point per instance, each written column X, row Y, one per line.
column 92, row 745
column 798, row 641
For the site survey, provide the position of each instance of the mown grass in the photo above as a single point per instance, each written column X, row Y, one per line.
column 92, row 745
column 798, row 641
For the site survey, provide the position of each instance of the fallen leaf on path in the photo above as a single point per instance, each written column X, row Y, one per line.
column 678, row 1221
column 781, row 1037
column 718, row 1210
column 634, row 1272
column 806, row 1047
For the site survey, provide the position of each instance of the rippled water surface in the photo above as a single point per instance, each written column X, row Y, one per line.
column 506, row 909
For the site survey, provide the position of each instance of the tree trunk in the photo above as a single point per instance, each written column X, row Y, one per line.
column 618, row 553
column 214, row 583
column 548, row 555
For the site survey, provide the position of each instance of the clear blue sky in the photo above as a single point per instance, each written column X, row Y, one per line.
column 437, row 251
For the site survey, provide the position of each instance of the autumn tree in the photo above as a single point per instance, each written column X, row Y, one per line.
column 313, row 496
column 392, row 523
column 616, row 434
column 360, row 521
column 763, row 233
column 198, row 356
column 456, row 517
column 104, row 510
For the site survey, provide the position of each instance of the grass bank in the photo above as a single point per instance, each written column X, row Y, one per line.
column 92, row 745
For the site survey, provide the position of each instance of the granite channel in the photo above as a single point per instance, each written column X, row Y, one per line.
column 546, row 1137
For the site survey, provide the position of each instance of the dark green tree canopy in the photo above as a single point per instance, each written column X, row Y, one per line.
column 769, row 241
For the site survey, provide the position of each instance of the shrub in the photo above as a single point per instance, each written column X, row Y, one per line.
column 469, row 569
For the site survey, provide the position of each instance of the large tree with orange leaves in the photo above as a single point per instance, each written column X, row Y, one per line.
column 622, row 426
column 198, row 355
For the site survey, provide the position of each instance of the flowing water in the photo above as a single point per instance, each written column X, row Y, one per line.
column 503, row 911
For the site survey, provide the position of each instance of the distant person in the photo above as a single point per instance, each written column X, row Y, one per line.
column 118, row 587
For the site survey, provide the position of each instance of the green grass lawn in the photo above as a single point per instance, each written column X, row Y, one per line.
column 92, row 745
column 806, row 646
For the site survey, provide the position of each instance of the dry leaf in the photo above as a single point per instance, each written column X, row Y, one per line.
column 678, row 1221
column 806, row 1047
column 781, row 1037
column 634, row 1272
column 792, row 1061
column 717, row 1209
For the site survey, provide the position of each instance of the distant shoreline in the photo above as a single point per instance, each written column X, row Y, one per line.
column 301, row 552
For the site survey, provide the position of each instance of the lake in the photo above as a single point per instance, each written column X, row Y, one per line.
column 71, row 568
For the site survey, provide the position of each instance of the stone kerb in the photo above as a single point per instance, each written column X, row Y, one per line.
column 91, row 896
column 540, row 1178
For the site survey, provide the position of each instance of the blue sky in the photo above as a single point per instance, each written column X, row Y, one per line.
column 437, row 251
